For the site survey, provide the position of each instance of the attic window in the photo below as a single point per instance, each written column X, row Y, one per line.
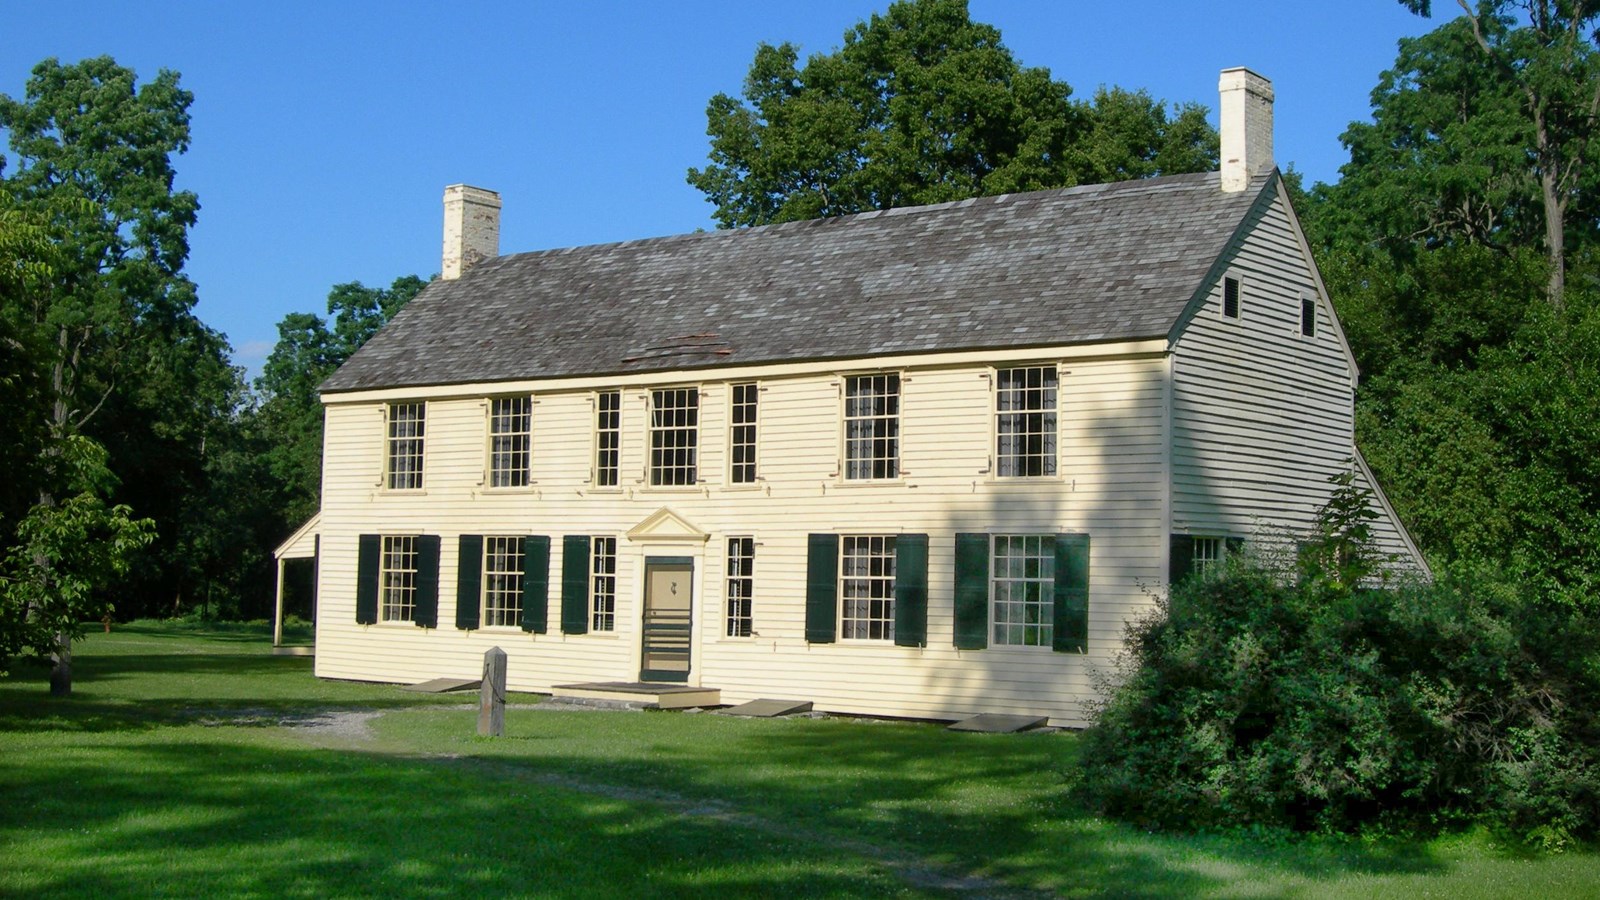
column 1308, row 317
column 1230, row 297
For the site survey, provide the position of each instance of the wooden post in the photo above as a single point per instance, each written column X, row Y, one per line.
column 492, row 696
column 277, row 616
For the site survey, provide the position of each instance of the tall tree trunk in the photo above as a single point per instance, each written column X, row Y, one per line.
column 1555, row 209
column 61, row 666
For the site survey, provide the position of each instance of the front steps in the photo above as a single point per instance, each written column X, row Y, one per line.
column 638, row 694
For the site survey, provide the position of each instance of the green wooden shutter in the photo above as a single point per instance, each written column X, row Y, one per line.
column 972, row 591
column 426, row 614
column 1071, row 632
column 1180, row 561
column 1235, row 545
column 911, row 590
column 469, row 581
column 575, row 584
column 367, row 549
column 536, row 583
column 822, row 588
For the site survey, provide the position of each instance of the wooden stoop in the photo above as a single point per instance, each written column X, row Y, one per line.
column 648, row 695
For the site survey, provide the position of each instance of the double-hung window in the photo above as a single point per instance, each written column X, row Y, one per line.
column 502, row 581
column 607, row 437
column 1022, row 587
column 397, row 574
column 871, row 427
column 866, row 587
column 510, row 441
column 1025, row 421
column 403, row 459
column 1208, row 552
column 674, row 436
column 741, row 585
column 603, row 584
column 742, row 433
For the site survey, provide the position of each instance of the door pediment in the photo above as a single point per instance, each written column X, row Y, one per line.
column 666, row 525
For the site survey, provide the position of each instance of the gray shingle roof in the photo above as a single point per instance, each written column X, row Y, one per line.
column 1084, row 264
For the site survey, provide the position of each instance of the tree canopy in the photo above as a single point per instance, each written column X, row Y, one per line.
column 923, row 105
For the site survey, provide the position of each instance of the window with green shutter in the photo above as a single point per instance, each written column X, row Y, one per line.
column 575, row 584
column 972, row 592
column 368, row 548
column 469, row 572
column 536, row 583
column 1072, row 593
column 425, row 614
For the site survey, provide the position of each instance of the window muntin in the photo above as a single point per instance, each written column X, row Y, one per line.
column 1022, row 589
column 866, row 587
column 674, row 435
column 406, row 425
column 510, row 441
column 502, row 581
column 1025, row 421
column 1230, row 297
column 1308, row 317
column 607, row 437
column 872, row 427
column 741, row 586
column 742, row 433
column 397, row 579
column 603, row 584
column 1208, row 552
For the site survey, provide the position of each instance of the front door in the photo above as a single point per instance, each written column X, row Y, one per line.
column 668, row 618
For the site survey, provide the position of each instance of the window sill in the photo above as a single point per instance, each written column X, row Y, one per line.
column 528, row 488
column 401, row 492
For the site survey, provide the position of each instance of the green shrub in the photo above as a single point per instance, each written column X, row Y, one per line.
column 1251, row 701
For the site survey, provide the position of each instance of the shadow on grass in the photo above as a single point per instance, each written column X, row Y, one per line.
column 192, row 817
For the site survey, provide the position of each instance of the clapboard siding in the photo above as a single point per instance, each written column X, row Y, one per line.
column 1262, row 415
column 1112, row 433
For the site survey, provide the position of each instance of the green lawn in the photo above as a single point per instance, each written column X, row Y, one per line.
column 189, row 763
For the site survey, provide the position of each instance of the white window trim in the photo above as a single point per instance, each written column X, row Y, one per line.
column 838, row 612
column 727, row 577
column 483, row 584
column 1047, row 646
column 383, row 577
column 384, row 479
column 646, row 479
column 1299, row 319
column 842, row 474
column 594, row 439
column 994, row 424
column 1222, row 296
column 727, row 473
column 616, row 556
column 488, row 445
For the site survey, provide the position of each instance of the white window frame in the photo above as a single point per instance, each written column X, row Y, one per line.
column 1210, row 553
column 752, row 392
column 673, row 446
column 850, row 466
column 738, row 620
column 501, row 582
column 868, row 587
column 1005, row 586
column 1051, row 462
column 601, row 431
column 397, row 578
column 603, row 583
column 503, row 477
column 411, row 447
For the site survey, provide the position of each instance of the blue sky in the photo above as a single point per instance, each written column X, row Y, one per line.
column 324, row 133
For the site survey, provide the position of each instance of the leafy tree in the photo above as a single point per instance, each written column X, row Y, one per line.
column 25, row 254
column 1543, row 55
column 119, row 350
column 68, row 554
column 308, row 351
column 923, row 105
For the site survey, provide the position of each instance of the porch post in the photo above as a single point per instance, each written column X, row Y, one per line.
column 277, row 618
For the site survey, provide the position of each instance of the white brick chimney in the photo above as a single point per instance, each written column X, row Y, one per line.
column 1245, row 118
column 471, row 228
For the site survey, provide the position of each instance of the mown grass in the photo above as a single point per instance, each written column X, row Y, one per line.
column 169, row 774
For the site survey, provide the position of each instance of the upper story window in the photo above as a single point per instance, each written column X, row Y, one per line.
column 742, row 433
column 502, row 581
column 741, row 585
column 1308, row 317
column 403, row 461
column 397, row 574
column 603, row 584
column 607, row 437
column 866, row 587
column 1025, row 421
column 510, row 441
column 1230, row 297
column 674, row 435
column 872, row 427
column 1022, row 587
